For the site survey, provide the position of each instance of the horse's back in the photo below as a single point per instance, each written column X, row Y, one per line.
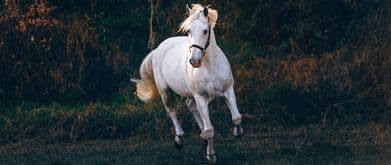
column 169, row 65
column 173, row 46
column 172, row 41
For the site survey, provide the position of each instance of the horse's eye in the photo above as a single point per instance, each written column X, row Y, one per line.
column 205, row 31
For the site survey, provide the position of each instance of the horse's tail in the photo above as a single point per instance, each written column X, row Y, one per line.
column 146, row 87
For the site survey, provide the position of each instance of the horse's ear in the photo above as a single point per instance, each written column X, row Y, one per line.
column 188, row 10
column 206, row 11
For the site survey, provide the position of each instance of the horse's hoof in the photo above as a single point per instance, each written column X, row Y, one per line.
column 238, row 131
column 211, row 158
column 179, row 142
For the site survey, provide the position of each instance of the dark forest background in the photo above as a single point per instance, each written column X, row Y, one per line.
column 65, row 65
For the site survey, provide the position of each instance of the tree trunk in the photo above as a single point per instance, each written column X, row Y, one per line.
column 152, row 34
column 273, row 21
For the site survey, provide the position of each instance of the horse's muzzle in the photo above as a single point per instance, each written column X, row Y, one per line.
column 196, row 63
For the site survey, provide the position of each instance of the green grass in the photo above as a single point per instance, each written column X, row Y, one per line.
column 128, row 131
column 301, row 145
column 61, row 123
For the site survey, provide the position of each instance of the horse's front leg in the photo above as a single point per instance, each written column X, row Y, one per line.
column 193, row 109
column 191, row 104
column 208, row 130
column 230, row 100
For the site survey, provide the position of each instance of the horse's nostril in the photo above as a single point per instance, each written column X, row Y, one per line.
column 195, row 61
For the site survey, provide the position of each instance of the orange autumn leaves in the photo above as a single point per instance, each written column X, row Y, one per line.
column 362, row 73
column 299, row 72
column 302, row 72
column 37, row 15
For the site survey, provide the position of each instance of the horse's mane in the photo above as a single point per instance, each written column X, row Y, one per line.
column 196, row 10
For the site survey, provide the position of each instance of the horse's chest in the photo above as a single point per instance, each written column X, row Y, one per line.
column 208, row 86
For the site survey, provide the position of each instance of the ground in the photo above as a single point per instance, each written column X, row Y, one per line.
column 310, row 144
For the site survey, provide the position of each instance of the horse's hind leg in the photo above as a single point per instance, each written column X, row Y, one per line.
column 230, row 100
column 168, row 101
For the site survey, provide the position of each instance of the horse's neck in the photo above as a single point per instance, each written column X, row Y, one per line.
column 212, row 50
column 212, row 39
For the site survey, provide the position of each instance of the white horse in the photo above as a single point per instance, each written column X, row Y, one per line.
column 194, row 67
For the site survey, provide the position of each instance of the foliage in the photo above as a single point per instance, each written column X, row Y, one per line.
column 54, row 53
column 74, row 50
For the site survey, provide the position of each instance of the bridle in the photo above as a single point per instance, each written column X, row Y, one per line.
column 203, row 49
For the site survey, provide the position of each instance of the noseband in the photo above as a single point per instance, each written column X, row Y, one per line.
column 203, row 49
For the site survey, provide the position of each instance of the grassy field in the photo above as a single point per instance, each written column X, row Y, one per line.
column 120, row 133
column 304, row 145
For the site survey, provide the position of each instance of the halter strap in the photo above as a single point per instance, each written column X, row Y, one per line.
column 203, row 49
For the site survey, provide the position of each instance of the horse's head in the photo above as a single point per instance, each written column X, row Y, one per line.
column 198, row 26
